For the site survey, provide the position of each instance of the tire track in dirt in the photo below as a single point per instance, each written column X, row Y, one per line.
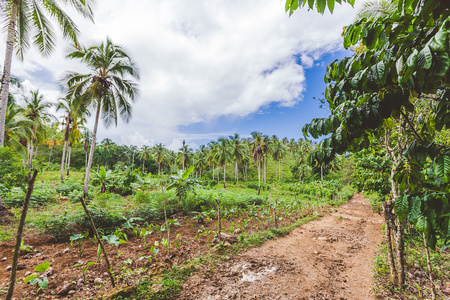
column 328, row 258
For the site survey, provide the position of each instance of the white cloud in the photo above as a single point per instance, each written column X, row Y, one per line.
column 200, row 59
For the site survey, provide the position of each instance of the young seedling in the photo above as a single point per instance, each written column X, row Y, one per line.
column 114, row 239
column 79, row 239
column 33, row 279
column 85, row 269
column 144, row 232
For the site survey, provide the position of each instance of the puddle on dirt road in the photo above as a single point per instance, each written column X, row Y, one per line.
column 251, row 276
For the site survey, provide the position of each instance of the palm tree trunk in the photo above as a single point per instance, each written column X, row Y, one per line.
column 281, row 170
column 159, row 169
column 265, row 169
column 50, row 155
column 6, row 79
column 259, row 175
column 236, row 172
column 68, row 160
column 62, row 161
column 91, row 152
column 213, row 171
column 143, row 160
column 321, row 176
column 224, row 176
column 35, row 152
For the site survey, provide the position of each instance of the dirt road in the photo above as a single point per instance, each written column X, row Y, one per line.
column 329, row 258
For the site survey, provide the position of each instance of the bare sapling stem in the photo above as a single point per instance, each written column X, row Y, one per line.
column 94, row 229
column 26, row 203
column 275, row 212
column 167, row 223
column 220, row 220
column 430, row 276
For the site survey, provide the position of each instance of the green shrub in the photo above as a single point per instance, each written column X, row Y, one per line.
column 59, row 225
column 69, row 186
column 42, row 194
column 11, row 172
column 103, row 217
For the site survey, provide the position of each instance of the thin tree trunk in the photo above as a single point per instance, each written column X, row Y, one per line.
column 68, row 160
column 224, row 177
column 321, row 176
column 167, row 223
column 259, row 175
column 220, row 220
column 213, row 171
column 400, row 252
column 143, row 168
column 94, row 229
column 35, row 152
column 387, row 211
column 50, row 155
column 26, row 202
column 430, row 276
column 62, row 161
column 91, row 152
column 6, row 79
column 281, row 170
column 159, row 169
column 237, row 173
column 264, row 169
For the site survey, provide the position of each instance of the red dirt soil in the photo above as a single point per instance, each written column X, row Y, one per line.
column 329, row 258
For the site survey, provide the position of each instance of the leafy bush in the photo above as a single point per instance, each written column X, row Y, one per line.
column 59, row 225
column 42, row 195
column 254, row 185
column 11, row 172
column 75, row 195
column 69, row 186
column 103, row 217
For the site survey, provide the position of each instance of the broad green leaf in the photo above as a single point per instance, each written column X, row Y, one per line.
column 400, row 65
column 401, row 206
column 321, row 5
column 287, row 5
column 43, row 283
column 441, row 64
column 422, row 224
column 30, row 277
column 414, row 211
column 412, row 59
column 330, row 4
column 442, row 166
column 42, row 268
column 311, row 4
column 425, row 58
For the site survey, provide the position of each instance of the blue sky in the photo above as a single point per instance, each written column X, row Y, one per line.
column 275, row 119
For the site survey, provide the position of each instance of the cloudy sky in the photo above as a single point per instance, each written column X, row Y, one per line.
column 208, row 68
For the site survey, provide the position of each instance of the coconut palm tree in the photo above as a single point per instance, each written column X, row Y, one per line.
column 17, row 129
column 75, row 113
column 257, row 154
column 184, row 157
column 222, row 155
column 159, row 152
column 377, row 8
column 278, row 153
column 105, row 88
column 37, row 111
column 145, row 154
column 238, row 152
column 29, row 19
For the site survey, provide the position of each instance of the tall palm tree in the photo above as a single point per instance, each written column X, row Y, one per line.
column 37, row 111
column 222, row 155
column 266, row 150
column 145, row 154
column 257, row 154
column 17, row 129
column 29, row 19
column 184, row 156
column 159, row 152
column 238, row 151
column 75, row 113
column 105, row 88
column 278, row 153
column 377, row 8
